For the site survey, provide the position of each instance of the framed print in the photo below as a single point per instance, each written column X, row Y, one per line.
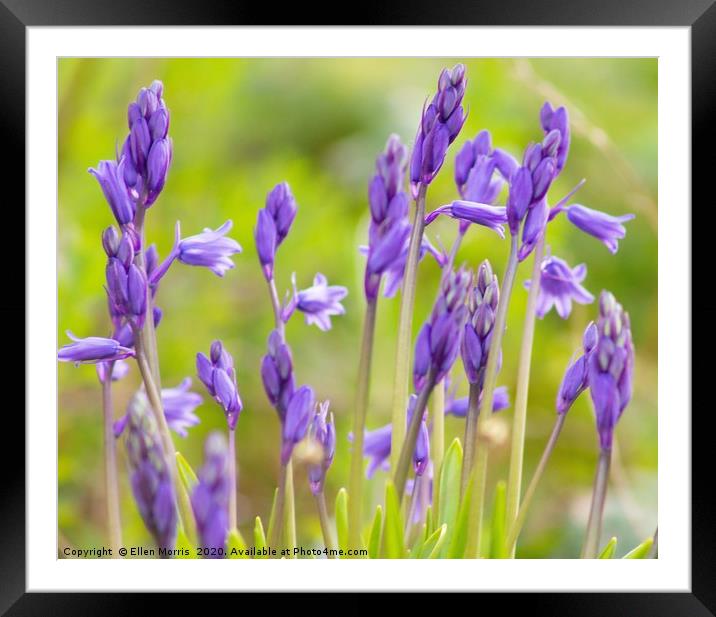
column 411, row 297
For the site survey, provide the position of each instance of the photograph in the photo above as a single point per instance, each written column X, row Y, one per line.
column 357, row 308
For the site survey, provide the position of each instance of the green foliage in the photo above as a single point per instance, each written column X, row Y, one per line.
column 342, row 519
column 259, row 536
column 642, row 551
column 236, row 545
column 393, row 542
column 608, row 550
column 186, row 473
column 498, row 550
column 450, row 491
column 376, row 530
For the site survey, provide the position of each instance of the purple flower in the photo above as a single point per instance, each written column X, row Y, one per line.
column 559, row 285
column 149, row 474
column 482, row 308
column 575, row 380
column 110, row 176
column 147, row 151
column 322, row 430
column 438, row 342
column 317, row 302
column 92, row 349
column 611, row 367
column 265, row 236
column 218, row 375
column 119, row 370
column 277, row 373
column 210, row 249
column 126, row 285
column 440, row 124
column 492, row 217
column 376, row 446
column 281, row 205
column 179, row 405
column 557, row 120
column 421, row 454
column 394, row 274
column 475, row 167
column 210, row 498
column 604, row 227
column 458, row 406
column 389, row 230
column 298, row 415
column 110, row 241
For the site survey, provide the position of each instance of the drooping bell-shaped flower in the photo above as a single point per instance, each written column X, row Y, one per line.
column 604, row 227
column 217, row 373
column 298, row 416
column 210, row 249
column 277, row 373
column 273, row 224
column 575, row 380
column 322, row 431
column 318, row 302
column 92, row 349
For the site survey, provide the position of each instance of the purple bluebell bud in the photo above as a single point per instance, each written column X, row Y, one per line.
column 136, row 294
column 210, row 498
column 559, row 285
column 440, row 124
column 111, row 180
column 265, row 236
column 611, row 367
column 604, row 227
column 492, row 217
column 149, row 474
column 573, row 384
column 110, row 241
column 179, row 405
column 277, row 374
column 218, row 375
column 458, row 407
column 298, row 415
column 281, row 205
column 125, row 251
column 151, row 259
column 442, row 334
column 210, row 249
column 421, row 454
column 557, row 120
column 535, row 222
column 482, row 309
column 92, row 349
column 322, row 430
column 389, row 230
column 147, row 151
column 519, row 198
column 317, row 302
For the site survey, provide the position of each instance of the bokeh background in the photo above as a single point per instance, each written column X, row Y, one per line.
column 240, row 126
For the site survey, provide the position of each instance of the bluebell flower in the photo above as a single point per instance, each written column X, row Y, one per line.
column 486, row 215
column 575, row 380
column 322, row 431
column 110, row 176
column 217, row 373
column 318, row 302
column 92, row 349
column 277, row 373
column 559, row 284
column 210, row 249
column 298, row 416
column 604, row 227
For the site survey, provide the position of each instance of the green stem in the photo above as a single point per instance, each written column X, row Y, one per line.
column 325, row 526
column 186, row 514
column 276, row 521
column 114, row 525
column 596, row 512
column 405, row 327
column 477, row 507
column 290, row 521
column 411, row 437
column 233, row 510
column 516, row 526
column 468, row 457
column 488, row 396
column 519, row 419
column 437, row 442
column 355, row 485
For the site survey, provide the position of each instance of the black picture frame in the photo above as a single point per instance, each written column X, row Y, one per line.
column 17, row 15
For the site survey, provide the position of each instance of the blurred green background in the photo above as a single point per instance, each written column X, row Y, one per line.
column 241, row 126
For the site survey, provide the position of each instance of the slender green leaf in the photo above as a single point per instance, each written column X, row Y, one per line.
column 458, row 539
column 235, row 545
column 342, row 519
column 498, row 550
column 375, row 531
column 259, row 537
column 429, row 522
column 641, row 551
column 450, row 493
column 272, row 515
column 186, row 473
column 393, row 547
column 433, row 545
column 608, row 550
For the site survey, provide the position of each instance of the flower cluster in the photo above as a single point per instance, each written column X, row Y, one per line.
column 273, row 224
column 217, row 373
column 440, row 124
column 210, row 497
column 149, row 474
